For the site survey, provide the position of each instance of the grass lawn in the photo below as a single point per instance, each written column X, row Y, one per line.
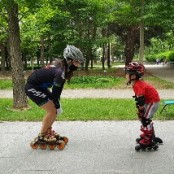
column 82, row 109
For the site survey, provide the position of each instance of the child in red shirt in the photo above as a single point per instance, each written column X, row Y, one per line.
column 147, row 102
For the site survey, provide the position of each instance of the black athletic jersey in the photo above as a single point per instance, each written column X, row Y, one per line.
column 49, row 77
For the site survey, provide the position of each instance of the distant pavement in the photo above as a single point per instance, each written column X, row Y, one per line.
column 165, row 72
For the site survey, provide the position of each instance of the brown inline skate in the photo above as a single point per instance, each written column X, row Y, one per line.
column 44, row 140
column 51, row 132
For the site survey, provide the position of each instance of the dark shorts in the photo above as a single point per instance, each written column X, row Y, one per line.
column 36, row 94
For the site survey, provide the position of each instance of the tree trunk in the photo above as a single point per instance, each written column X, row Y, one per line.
column 19, row 97
column 87, row 59
column 103, row 58
column 42, row 52
column 2, row 48
column 141, row 50
column 130, row 44
column 109, row 56
column 50, row 58
column 7, row 57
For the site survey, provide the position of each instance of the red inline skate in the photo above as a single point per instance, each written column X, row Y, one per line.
column 147, row 141
column 156, row 139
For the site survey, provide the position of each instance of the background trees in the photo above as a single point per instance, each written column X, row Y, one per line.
column 47, row 26
column 33, row 33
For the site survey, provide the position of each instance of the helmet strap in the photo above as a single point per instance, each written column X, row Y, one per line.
column 130, row 80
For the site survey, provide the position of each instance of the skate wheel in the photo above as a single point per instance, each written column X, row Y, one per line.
column 155, row 147
column 33, row 145
column 65, row 139
column 61, row 145
column 138, row 140
column 143, row 148
column 137, row 148
column 43, row 146
column 52, row 147
column 149, row 148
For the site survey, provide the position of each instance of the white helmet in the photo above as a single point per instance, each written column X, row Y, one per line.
column 74, row 53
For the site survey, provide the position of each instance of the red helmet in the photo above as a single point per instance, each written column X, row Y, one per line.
column 135, row 68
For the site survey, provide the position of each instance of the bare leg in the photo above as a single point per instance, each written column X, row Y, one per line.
column 50, row 116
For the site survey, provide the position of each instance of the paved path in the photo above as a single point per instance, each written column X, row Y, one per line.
column 98, row 147
column 98, row 93
column 165, row 72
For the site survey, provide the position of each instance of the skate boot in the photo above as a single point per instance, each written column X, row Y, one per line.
column 143, row 130
column 147, row 142
column 43, row 141
column 51, row 132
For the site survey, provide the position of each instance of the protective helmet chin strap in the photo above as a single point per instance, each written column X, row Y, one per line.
column 130, row 80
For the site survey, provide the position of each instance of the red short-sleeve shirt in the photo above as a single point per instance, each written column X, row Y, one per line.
column 150, row 94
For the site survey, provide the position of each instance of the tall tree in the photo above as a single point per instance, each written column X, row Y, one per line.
column 19, row 97
column 141, row 49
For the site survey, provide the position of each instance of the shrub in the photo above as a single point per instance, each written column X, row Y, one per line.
column 169, row 55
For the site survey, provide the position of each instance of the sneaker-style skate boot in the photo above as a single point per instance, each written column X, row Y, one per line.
column 147, row 142
column 51, row 132
column 43, row 141
column 156, row 139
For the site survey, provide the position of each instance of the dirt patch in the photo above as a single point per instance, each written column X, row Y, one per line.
column 117, row 72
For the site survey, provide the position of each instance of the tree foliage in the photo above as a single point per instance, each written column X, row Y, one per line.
column 39, row 30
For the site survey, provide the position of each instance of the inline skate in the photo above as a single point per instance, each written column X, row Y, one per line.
column 51, row 132
column 146, row 144
column 147, row 141
column 44, row 140
column 157, row 140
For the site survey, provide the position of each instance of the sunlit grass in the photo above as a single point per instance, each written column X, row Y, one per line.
column 83, row 110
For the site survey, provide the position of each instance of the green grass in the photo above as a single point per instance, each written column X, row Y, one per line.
column 83, row 110
column 5, row 84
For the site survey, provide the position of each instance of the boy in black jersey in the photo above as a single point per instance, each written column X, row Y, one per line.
column 52, row 76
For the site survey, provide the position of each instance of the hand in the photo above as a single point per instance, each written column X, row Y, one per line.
column 140, row 112
column 141, row 108
column 59, row 111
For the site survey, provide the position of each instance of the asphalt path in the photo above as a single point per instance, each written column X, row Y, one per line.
column 98, row 93
column 97, row 147
column 94, row 147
